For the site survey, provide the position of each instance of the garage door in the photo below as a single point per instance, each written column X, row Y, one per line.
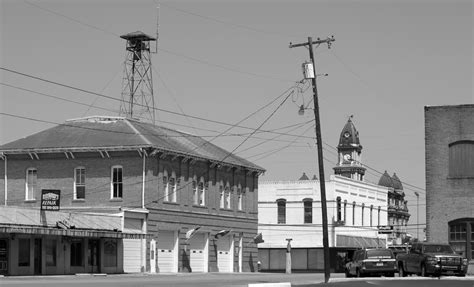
column 198, row 253
column 225, row 254
column 132, row 255
column 132, row 248
column 166, row 252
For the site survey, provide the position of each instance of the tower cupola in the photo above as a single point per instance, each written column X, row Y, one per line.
column 349, row 153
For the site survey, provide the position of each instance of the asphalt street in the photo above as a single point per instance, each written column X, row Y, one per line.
column 230, row 279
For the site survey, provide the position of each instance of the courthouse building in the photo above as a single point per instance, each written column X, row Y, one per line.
column 292, row 210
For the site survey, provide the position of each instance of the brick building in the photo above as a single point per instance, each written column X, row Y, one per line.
column 449, row 148
column 191, row 205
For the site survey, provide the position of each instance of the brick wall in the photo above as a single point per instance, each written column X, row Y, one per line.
column 446, row 199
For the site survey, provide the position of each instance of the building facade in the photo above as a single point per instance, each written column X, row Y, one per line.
column 191, row 205
column 449, row 151
column 292, row 209
column 398, row 214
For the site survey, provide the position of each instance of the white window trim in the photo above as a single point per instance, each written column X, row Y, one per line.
column 75, row 181
column 166, row 186
column 172, row 197
column 201, row 193
column 195, row 191
column 26, row 183
column 112, row 181
column 227, row 192
column 239, row 197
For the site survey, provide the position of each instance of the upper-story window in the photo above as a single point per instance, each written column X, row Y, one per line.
column 308, row 210
column 221, row 196
column 362, row 215
column 281, row 205
column 170, row 187
column 227, row 194
column 117, row 182
column 198, row 192
column 378, row 216
column 461, row 155
column 353, row 212
column 345, row 210
column 239, row 197
column 338, row 209
column 79, row 183
column 371, row 210
column 31, row 183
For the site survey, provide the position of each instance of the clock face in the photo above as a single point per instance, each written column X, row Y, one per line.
column 347, row 157
column 347, row 134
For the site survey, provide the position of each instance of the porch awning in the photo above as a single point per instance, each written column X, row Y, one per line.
column 69, row 232
column 359, row 242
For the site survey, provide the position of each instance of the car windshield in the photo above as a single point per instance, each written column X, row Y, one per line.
column 438, row 249
column 383, row 253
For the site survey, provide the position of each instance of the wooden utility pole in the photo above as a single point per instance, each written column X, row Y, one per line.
column 319, row 141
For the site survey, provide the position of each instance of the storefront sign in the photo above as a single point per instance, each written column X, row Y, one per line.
column 385, row 229
column 50, row 199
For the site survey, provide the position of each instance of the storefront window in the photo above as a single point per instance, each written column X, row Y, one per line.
column 24, row 252
column 110, row 253
column 50, row 252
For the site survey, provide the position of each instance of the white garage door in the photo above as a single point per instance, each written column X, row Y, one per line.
column 198, row 253
column 132, row 255
column 132, row 248
column 166, row 252
column 224, row 254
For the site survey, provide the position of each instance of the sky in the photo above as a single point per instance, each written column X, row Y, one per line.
column 223, row 61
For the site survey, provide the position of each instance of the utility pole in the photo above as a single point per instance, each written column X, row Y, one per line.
column 319, row 142
column 417, row 226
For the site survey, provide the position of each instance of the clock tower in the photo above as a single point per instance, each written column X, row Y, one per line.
column 349, row 153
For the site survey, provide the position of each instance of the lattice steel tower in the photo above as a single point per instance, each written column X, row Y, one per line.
column 137, row 84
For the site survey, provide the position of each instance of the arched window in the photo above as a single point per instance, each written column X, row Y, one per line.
column 281, row 205
column 362, row 214
column 308, row 210
column 345, row 210
column 461, row 236
column 461, row 159
column 371, row 210
column 353, row 212
column 338, row 209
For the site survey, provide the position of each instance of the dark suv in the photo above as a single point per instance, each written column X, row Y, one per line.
column 380, row 261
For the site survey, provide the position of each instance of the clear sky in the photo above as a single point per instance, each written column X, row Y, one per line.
column 223, row 60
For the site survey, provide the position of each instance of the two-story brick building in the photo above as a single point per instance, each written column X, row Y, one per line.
column 184, row 204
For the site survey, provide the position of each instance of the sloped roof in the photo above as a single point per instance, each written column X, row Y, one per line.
column 304, row 177
column 117, row 133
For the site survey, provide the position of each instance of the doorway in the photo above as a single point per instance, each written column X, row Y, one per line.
column 38, row 256
column 93, row 255
column 3, row 256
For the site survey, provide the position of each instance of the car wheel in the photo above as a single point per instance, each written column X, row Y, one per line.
column 401, row 272
column 423, row 271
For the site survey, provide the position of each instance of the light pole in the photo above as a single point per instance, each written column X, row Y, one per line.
column 319, row 142
column 417, row 203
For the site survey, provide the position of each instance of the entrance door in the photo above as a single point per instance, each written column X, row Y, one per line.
column 3, row 256
column 38, row 258
column 93, row 255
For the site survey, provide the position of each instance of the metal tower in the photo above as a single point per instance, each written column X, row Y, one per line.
column 137, row 84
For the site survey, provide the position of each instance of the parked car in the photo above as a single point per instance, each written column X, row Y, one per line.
column 378, row 261
column 431, row 259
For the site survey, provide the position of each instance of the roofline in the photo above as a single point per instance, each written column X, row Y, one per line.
column 123, row 148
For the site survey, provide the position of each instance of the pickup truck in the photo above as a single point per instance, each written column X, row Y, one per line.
column 431, row 259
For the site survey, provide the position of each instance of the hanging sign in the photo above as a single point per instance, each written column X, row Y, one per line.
column 50, row 199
